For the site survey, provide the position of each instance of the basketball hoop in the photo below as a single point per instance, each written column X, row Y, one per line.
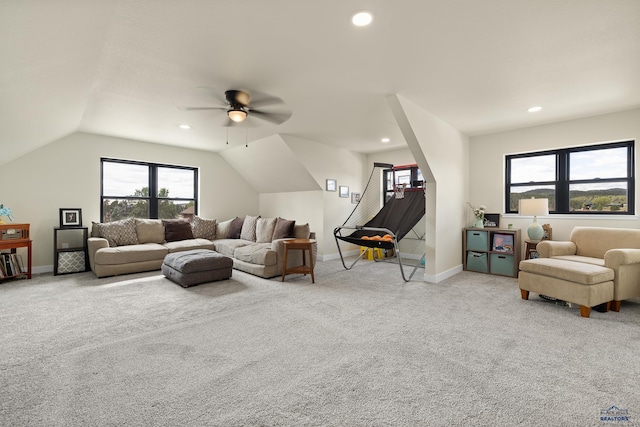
column 399, row 191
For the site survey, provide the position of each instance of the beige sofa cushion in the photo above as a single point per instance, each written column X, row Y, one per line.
column 228, row 246
column 264, row 229
column 301, row 231
column 256, row 253
column 223, row 228
column 188, row 244
column 149, row 230
column 577, row 272
column 596, row 241
column 130, row 254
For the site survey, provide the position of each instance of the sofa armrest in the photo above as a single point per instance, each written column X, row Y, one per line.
column 93, row 244
column 551, row 248
column 614, row 258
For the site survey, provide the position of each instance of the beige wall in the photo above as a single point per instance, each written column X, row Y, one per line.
column 441, row 152
column 487, row 167
column 66, row 174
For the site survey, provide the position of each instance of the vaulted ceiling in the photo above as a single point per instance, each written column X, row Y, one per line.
column 124, row 67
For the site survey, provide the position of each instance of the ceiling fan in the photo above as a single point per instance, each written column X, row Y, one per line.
column 240, row 106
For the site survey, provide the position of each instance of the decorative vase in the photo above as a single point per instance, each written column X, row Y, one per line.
column 479, row 223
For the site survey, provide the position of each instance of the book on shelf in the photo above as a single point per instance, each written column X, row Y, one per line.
column 502, row 243
column 11, row 265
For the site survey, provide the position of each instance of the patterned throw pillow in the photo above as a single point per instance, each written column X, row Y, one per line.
column 204, row 228
column 176, row 229
column 248, row 231
column 283, row 228
column 120, row 233
column 96, row 229
column 264, row 229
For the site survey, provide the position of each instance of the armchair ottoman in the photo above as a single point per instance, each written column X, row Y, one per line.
column 596, row 263
column 584, row 284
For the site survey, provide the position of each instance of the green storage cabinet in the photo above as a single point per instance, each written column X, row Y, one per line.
column 502, row 264
column 477, row 240
column 477, row 261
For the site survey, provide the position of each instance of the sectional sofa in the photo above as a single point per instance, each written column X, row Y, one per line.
column 135, row 245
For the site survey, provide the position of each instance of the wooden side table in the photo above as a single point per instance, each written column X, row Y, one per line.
column 530, row 247
column 303, row 245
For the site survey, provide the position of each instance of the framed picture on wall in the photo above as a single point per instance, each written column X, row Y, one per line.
column 344, row 191
column 355, row 198
column 332, row 185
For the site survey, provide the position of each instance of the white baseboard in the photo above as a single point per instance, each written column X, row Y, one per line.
column 429, row 278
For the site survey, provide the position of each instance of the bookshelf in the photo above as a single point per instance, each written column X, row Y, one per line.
column 491, row 250
column 70, row 250
column 13, row 237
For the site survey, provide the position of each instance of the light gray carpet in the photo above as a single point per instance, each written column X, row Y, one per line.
column 357, row 348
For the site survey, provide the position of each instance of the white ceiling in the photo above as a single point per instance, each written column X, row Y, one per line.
column 123, row 67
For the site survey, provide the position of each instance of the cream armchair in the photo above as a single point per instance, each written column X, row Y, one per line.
column 579, row 270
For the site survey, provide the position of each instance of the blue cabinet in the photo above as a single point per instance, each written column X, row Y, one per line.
column 491, row 250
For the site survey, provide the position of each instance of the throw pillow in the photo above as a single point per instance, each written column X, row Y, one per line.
column 283, row 228
column 204, row 228
column 248, row 231
column 236, row 228
column 223, row 228
column 264, row 229
column 149, row 230
column 96, row 230
column 176, row 229
column 301, row 231
column 120, row 233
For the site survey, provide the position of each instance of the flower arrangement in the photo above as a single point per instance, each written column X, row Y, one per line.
column 478, row 212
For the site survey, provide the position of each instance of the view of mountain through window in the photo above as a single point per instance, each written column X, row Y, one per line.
column 591, row 179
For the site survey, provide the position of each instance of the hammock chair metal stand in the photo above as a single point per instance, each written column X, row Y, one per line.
column 397, row 218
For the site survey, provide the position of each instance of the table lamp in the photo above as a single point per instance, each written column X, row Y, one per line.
column 534, row 207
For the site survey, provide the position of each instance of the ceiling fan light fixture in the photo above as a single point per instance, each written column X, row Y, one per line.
column 237, row 114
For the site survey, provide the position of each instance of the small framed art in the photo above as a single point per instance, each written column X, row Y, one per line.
column 332, row 185
column 491, row 220
column 355, row 198
column 344, row 191
column 70, row 218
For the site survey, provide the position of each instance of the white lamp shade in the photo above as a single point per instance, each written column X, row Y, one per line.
column 534, row 207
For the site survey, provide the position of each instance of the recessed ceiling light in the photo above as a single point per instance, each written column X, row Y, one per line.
column 362, row 19
column 385, row 140
column 185, row 127
column 534, row 109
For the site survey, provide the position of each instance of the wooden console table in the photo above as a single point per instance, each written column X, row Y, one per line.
column 12, row 237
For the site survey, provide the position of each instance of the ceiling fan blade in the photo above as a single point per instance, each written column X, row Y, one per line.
column 260, row 100
column 201, row 108
column 275, row 118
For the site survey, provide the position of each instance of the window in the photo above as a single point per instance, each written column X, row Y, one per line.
column 409, row 175
column 597, row 179
column 147, row 190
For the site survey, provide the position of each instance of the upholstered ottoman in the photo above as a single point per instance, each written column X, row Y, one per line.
column 196, row 266
column 587, row 285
